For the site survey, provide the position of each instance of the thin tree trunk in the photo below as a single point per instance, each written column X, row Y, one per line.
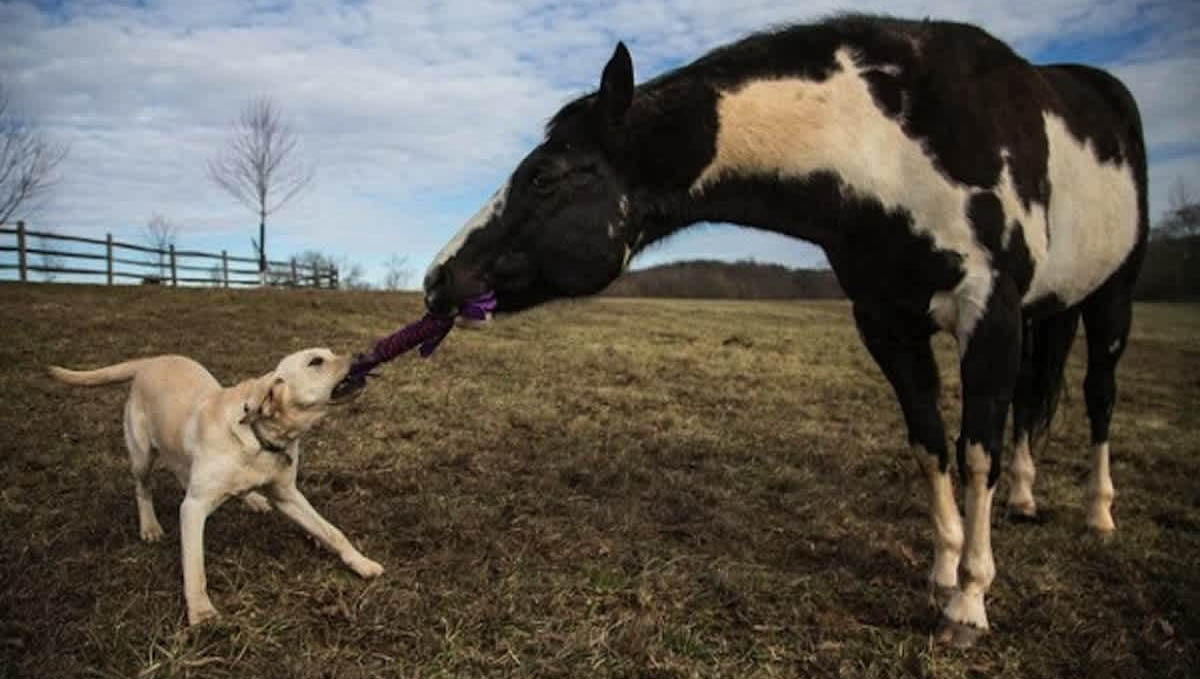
column 262, row 243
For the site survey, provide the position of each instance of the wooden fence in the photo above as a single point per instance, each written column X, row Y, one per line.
column 171, row 266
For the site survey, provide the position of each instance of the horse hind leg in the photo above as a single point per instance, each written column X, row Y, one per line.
column 1107, row 315
column 1045, row 345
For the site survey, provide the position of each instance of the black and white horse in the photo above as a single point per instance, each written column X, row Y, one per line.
column 953, row 186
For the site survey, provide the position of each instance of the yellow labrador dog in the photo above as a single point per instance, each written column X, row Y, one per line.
column 225, row 442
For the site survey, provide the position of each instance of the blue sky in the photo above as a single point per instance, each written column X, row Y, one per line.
column 413, row 112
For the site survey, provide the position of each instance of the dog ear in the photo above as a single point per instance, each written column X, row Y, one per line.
column 271, row 404
column 264, row 398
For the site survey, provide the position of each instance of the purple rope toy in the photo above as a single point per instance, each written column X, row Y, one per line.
column 427, row 332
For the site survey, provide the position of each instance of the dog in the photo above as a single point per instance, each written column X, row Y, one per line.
column 222, row 442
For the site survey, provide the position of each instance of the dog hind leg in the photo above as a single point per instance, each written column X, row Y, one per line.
column 141, row 462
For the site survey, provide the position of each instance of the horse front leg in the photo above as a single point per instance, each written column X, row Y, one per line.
column 901, row 348
column 990, row 362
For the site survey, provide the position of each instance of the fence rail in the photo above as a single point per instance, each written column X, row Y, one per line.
column 167, row 269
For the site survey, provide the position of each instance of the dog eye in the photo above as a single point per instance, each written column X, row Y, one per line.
column 316, row 361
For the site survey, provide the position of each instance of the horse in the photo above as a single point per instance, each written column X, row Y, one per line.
column 953, row 186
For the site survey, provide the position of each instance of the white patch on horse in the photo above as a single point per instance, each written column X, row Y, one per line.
column 1093, row 219
column 947, row 523
column 1031, row 220
column 615, row 228
column 492, row 208
column 978, row 568
column 794, row 127
column 1021, row 474
column 1100, row 492
column 889, row 69
column 630, row 249
column 1115, row 346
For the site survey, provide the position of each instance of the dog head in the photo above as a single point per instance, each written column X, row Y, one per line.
column 300, row 391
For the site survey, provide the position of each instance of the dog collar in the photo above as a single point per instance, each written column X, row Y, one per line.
column 267, row 444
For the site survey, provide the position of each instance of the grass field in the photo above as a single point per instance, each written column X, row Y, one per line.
column 612, row 488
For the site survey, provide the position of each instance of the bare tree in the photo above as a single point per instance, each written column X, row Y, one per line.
column 160, row 234
column 1183, row 213
column 314, row 264
column 28, row 159
column 260, row 167
column 352, row 276
column 47, row 260
column 1179, row 195
column 398, row 274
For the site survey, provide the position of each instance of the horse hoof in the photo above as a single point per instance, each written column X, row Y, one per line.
column 957, row 634
column 940, row 595
column 1104, row 536
column 1023, row 513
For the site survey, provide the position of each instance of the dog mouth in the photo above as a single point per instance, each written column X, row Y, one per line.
column 347, row 390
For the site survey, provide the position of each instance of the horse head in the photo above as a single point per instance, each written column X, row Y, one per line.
column 560, row 226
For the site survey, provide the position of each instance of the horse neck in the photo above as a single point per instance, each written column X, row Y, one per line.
column 793, row 187
column 808, row 209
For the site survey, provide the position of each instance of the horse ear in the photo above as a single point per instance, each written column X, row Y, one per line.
column 616, row 85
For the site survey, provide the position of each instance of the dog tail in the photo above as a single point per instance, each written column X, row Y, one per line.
column 106, row 375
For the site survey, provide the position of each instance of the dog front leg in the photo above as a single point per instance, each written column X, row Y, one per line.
column 292, row 503
column 192, row 515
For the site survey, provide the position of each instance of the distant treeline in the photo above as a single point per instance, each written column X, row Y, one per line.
column 725, row 280
column 1171, row 272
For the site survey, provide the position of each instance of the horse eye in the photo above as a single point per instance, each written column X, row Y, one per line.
column 316, row 361
column 541, row 180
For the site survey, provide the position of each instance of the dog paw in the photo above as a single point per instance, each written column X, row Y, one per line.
column 198, row 614
column 152, row 532
column 257, row 502
column 365, row 567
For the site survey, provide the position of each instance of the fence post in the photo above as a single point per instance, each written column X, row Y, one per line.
column 108, row 256
column 295, row 280
column 225, row 267
column 21, row 250
column 333, row 278
column 174, row 279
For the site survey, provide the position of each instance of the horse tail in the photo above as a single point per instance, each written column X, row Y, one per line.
column 1049, row 340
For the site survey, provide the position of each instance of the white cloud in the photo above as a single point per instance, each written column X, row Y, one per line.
column 414, row 111
column 1168, row 105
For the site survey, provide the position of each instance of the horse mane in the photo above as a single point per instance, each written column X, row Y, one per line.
column 719, row 61
column 570, row 110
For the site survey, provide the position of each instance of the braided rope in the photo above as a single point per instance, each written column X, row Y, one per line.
column 428, row 333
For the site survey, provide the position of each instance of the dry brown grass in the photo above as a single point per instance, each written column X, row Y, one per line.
column 610, row 488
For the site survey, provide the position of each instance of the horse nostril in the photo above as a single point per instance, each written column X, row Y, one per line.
column 435, row 279
column 439, row 303
column 438, row 293
column 435, row 286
